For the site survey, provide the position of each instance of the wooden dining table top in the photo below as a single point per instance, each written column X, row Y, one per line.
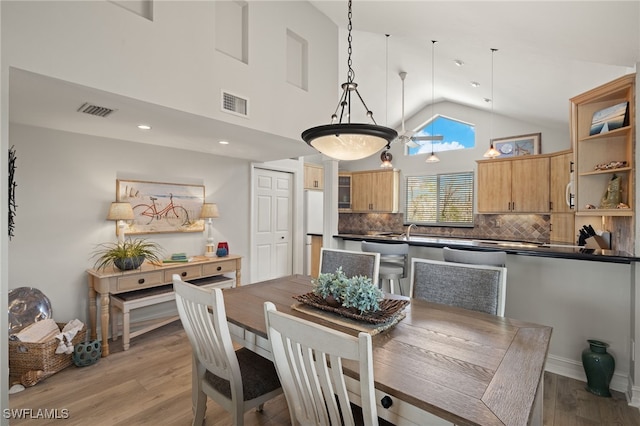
column 464, row 366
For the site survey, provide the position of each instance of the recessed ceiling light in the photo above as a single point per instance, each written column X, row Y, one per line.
column 223, row 143
column 475, row 84
column 458, row 62
column 144, row 127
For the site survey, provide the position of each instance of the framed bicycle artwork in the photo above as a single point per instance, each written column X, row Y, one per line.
column 161, row 207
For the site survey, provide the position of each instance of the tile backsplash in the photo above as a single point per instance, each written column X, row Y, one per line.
column 487, row 226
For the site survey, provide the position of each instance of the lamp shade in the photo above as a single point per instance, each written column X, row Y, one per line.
column 120, row 211
column 209, row 210
column 352, row 141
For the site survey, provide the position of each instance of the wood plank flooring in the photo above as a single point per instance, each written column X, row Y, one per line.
column 151, row 384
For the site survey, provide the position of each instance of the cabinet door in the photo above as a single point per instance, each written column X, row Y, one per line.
column 344, row 192
column 494, row 186
column 560, row 170
column 530, row 185
column 360, row 192
column 313, row 176
column 562, row 228
column 384, row 191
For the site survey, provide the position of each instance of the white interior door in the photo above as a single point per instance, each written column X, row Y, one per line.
column 273, row 223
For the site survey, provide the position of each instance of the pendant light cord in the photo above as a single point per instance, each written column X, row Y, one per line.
column 493, row 51
column 350, row 73
column 433, row 90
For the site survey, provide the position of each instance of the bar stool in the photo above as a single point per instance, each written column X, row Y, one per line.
column 393, row 262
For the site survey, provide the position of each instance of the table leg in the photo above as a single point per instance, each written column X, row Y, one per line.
column 104, row 323
column 92, row 309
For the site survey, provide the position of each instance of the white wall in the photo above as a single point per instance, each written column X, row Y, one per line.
column 172, row 60
column 66, row 183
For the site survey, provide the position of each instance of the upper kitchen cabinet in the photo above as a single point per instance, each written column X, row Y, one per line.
column 603, row 138
column 344, row 192
column 514, row 185
column 560, row 190
column 313, row 176
column 375, row 191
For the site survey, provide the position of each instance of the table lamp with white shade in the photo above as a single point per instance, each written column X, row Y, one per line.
column 120, row 212
column 209, row 211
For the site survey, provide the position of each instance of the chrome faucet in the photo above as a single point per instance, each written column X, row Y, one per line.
column 413, row 225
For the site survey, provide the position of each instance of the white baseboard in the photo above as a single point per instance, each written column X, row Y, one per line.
column 573, row 369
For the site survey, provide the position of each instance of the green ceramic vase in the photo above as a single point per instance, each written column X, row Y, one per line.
column 598, row 366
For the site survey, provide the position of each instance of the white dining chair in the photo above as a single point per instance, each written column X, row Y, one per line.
column 308, row 358
column 472, row 257
column 475, row 287
column 237, row 380
column 352, row 262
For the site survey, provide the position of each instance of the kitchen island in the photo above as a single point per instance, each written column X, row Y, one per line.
column 582, row 295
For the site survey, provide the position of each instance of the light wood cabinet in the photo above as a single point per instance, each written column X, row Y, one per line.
column 563, row 228
column 316, row 246
column 561, row 167
column 514, row 185
column 615, row 145
column 313, row 176
column 375, row 191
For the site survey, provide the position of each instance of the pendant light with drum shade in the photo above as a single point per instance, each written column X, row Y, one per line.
column 492, row 152
column 349, row 141
column 386, row 156
column 433, row 158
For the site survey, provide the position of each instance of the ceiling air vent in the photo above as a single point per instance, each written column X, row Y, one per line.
column 234, row 104
column 96, row 110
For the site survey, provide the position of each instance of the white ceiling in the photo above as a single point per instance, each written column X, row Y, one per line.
column 548, row 53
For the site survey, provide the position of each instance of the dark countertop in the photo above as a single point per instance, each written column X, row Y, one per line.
column 558, row 251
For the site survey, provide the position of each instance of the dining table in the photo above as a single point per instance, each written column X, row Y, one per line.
column 438, row 365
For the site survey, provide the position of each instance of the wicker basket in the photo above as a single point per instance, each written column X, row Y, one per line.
column 26, row 360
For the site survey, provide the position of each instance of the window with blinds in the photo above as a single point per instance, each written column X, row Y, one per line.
column 444, row 199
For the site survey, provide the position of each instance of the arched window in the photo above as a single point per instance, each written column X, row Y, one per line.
column 455, row 135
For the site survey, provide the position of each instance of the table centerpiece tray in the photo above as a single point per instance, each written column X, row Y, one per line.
column 389, row 308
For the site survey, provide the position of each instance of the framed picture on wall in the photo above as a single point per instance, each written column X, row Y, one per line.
column 160, row 207
column 514, row 146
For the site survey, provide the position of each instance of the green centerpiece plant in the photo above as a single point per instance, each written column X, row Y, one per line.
column 357, row 292
column 128, row 254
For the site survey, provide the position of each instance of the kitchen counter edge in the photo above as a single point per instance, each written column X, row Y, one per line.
column 568, row 252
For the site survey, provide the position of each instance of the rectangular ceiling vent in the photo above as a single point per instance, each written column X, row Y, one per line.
column 96, row 110
column 235, row 104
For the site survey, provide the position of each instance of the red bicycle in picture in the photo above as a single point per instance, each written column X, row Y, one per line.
column 175, row 215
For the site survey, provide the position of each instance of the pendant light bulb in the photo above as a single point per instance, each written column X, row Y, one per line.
column 491, row 152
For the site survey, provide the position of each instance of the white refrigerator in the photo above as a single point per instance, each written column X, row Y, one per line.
column 313, row 222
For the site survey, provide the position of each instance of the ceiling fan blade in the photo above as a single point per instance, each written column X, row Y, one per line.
column 428, row 138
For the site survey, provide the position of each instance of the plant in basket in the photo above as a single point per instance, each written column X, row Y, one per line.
column 357, row 292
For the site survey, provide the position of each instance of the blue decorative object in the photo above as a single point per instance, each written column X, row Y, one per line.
column 87, row 353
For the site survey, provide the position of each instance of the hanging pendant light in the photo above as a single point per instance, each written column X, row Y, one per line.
column 386, row 158
column 433, row 158
column 492, row 152
column 349, row 141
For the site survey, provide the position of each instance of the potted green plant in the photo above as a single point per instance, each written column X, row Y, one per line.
column 128, row 254
column 356, row 292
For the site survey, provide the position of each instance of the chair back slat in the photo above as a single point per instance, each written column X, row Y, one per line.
column 475, row 287
column 308, row 358
column 203, row 317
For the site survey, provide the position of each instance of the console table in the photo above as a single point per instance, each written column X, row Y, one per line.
column 109, row 281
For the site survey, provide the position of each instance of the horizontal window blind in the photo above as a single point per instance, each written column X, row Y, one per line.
column 440, row 199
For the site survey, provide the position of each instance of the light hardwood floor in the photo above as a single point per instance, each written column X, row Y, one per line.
column 151, row 384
